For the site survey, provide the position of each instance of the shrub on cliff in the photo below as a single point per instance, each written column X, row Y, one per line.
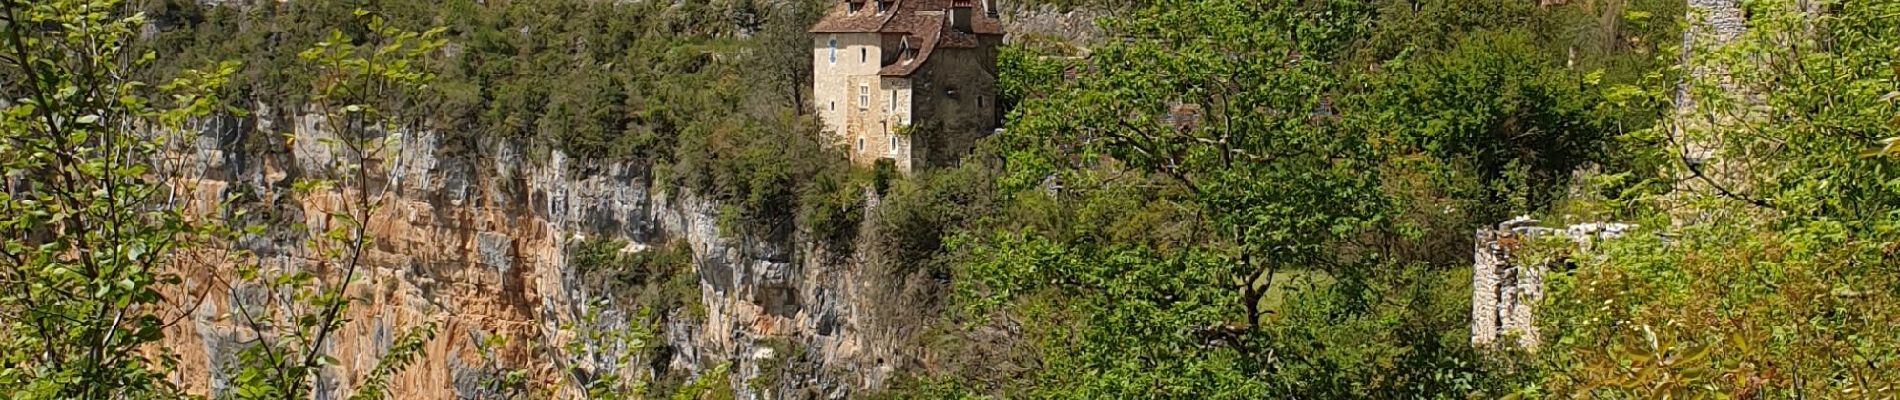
column 103, row 213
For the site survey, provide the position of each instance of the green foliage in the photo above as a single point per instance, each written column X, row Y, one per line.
column 658, row 280
column 88, row 242
column 1734, row 307
column 1235, row 199
column 1259, row 199
column 710, row 386
column 785, row 352
column 712, row 95
column 1776, row 278
column 602, row 360
column 95, row 189
column 1493, row 106
column 400, row 356
column 1792, row 133
column 1029, row 68
column 365, row 91
column 1276, row 184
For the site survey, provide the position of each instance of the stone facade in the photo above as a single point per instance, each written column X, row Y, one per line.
column 913, row 81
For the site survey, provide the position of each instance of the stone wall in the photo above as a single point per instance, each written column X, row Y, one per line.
column 955, row 103
column 1505, row 292
column 1074, row 25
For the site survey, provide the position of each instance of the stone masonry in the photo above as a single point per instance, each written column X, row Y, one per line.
column 1505, row 292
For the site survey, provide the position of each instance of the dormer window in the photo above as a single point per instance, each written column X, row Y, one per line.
column 904, row 49
column 883, row 6
column 854, row 6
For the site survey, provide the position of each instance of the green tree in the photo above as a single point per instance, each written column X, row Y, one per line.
column 364, row 92
column 1225, row 101
column 1495, row 106
column 1777, row 277
column 92, row 228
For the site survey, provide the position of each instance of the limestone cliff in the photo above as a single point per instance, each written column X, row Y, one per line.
column 475, row 237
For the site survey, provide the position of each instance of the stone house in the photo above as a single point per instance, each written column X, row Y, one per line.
column 913, row 81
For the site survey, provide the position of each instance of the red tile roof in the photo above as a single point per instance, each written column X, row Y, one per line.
column 925, row 21
column 926, row 43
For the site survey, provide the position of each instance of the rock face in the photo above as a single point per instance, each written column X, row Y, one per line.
column 1504, row 291
column 474, row 238
column 1071, row 24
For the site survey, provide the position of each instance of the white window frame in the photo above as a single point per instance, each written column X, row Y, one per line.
column 864, row 97
column 893, row 143
column 892, row 108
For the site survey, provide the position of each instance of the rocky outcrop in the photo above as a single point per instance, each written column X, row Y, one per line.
column 474, row 238
column 1075, row 25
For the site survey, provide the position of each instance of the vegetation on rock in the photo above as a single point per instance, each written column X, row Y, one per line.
column 1231, row 199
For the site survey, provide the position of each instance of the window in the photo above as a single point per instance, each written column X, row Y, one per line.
column 903, row 48
column 834, row 106
column 893, row 143
column 855, row 5
column 864, row 97
column 979, row 101
column 883, row 6
column 893, row 106
column 834, row 49
column 864, row 55
column 860, row 145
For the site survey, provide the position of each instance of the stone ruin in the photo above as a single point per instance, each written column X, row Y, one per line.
column 1504, row 292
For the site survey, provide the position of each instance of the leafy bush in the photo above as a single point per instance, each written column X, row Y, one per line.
column 660, row 279
column 676, row 88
